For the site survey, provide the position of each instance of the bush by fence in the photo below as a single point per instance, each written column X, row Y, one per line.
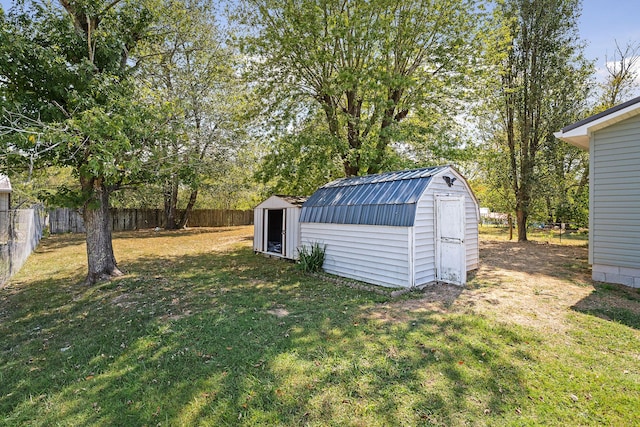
column 65, row 220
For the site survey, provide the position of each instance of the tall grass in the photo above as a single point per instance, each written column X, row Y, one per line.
column 311, row 258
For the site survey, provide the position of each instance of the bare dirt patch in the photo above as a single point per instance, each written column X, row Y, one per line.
column 279, row 312
column 532, row 284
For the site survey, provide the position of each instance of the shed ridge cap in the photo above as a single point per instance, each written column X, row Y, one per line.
column 376, row 204
column 390, row 176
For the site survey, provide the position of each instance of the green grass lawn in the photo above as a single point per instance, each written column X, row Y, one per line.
column 555, row 236
column 203, row 332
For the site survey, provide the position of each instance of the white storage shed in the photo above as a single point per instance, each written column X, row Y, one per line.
column 396, row 229
column 276, row 228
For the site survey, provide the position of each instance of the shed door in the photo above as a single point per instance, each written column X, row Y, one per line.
column 275, row 230
column 450, row 247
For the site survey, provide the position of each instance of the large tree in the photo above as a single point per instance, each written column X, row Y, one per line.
column 70, row 101
column 540, row 86
column 192, row 74
column 363, row 67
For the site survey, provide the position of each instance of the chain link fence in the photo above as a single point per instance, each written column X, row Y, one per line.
column 20, row 232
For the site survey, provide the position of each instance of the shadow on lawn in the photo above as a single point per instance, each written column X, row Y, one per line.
column 612, row 302
column 234, row 338
column 153, row 233
column 64, row 240
column 60, row 241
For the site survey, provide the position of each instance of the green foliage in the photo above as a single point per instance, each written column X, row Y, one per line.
column 191, row 74
column 30, row 187
column 311, row 258
column 621, row 81
column 70, row 101
column 357, row 70
column 540, row 84
column 563, row 184
column 493, row 188
column 301, row 161
column 69, row 97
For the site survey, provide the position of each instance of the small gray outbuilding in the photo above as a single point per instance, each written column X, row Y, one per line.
column 5, row 192
column 276, row 230
column 396, row 229
column 5, row 205
column 612, row 139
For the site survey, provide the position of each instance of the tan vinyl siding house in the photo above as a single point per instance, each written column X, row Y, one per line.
column 613, row 141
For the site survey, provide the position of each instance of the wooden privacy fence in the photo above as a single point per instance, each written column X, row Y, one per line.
column 66, row 220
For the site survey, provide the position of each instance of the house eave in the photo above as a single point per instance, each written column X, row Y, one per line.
column 580, row 140
column 579, row 133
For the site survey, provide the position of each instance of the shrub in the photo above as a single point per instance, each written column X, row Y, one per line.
column 311, row 259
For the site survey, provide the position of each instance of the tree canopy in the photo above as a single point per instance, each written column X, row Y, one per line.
column 69, row 96
column 191, row 74
column 541, row 85
column 341, row 77
column 153, row 96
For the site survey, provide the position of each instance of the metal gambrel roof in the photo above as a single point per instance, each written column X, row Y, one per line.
column 382, row 199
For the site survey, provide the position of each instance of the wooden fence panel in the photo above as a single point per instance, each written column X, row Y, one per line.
column 65, row 220
column 148, row 218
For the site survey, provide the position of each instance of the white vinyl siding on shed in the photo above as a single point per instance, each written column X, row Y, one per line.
column 374, row 254
column 292, row 233
column 615, row 195
column 425, row 240
column 381, row 229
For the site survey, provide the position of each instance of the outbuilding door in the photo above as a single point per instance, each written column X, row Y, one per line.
column 275, row 229
column 450, row 247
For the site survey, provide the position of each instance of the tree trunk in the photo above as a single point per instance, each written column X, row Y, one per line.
column 389, row 118
column 350, row 169
column 510, row 222
column 585, row 178
column 192, row 201
column 523, row 192
column 353, row 112
column 521, row 219
column 171, row 204
column 97, row 221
